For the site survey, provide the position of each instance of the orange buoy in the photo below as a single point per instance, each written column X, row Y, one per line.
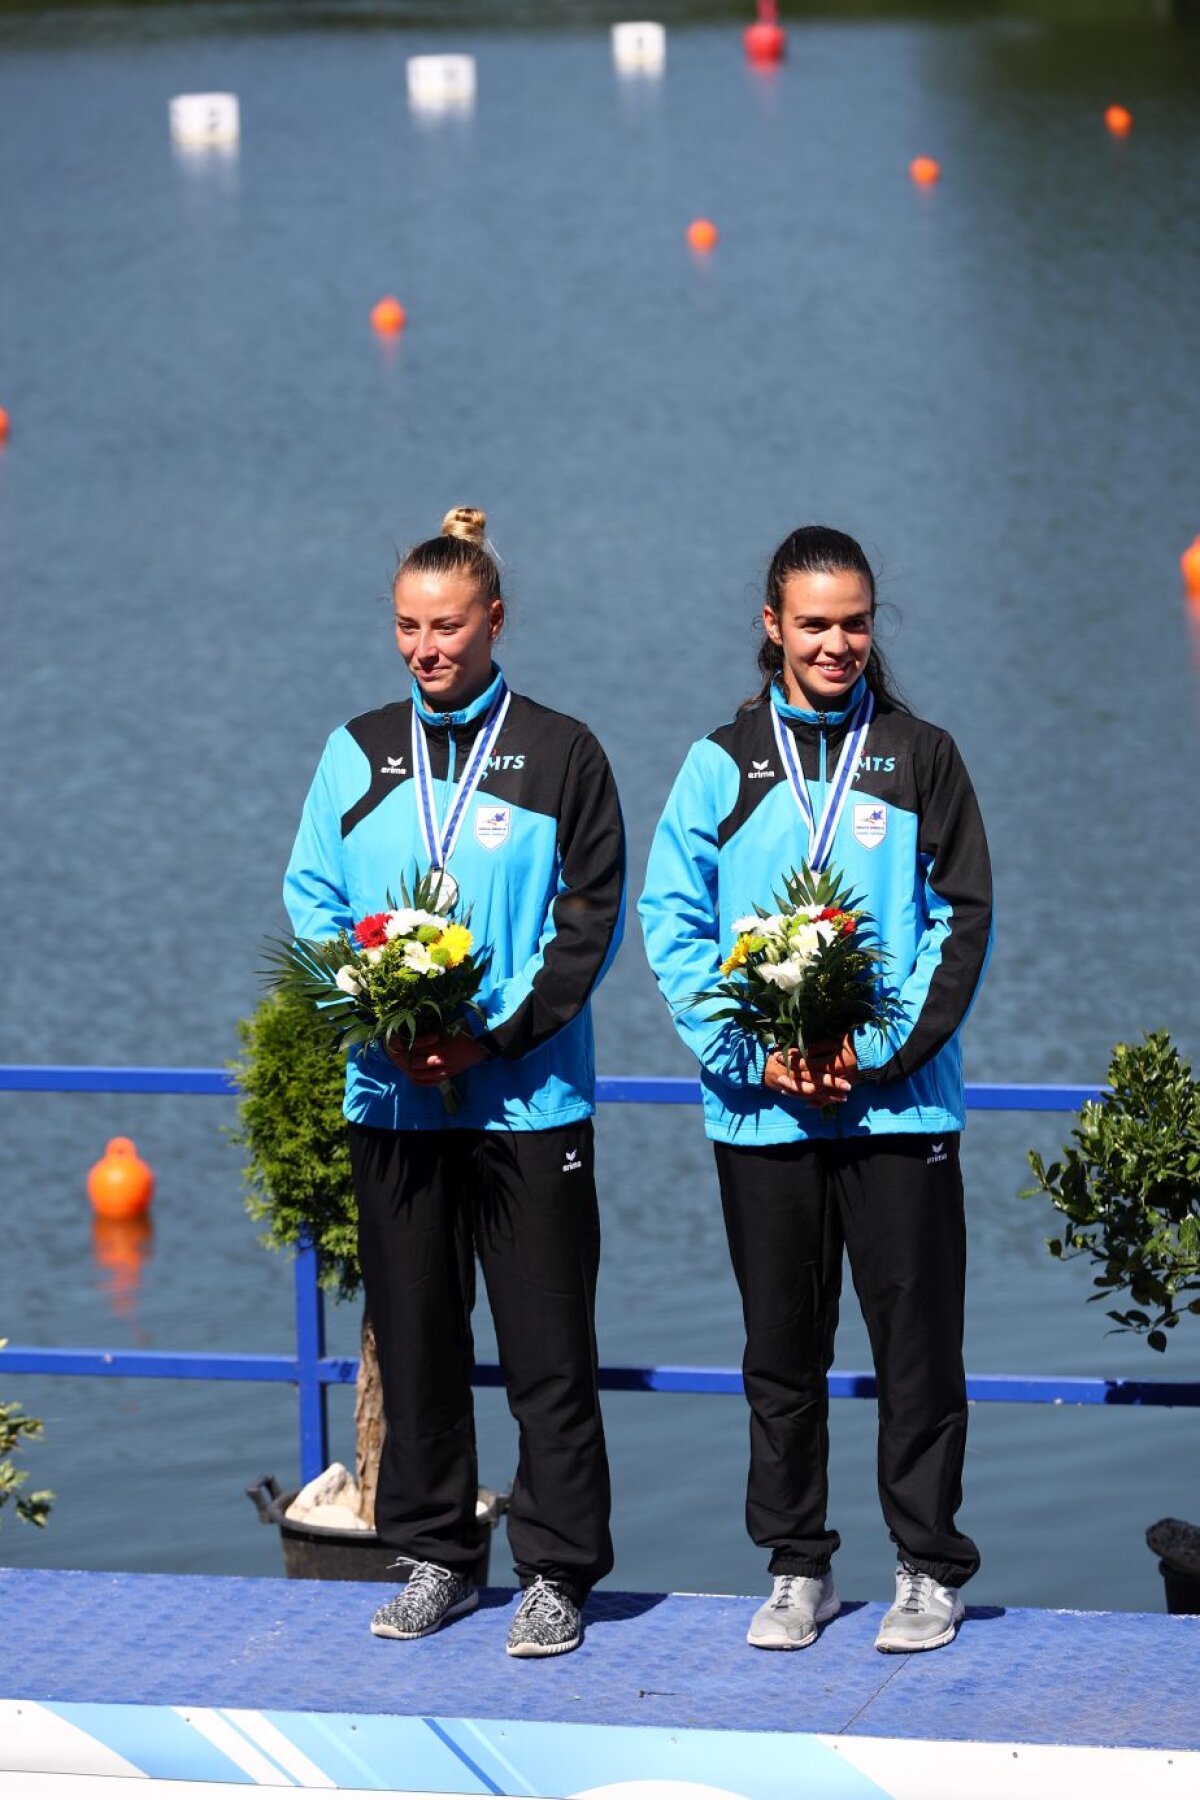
column 1119, row 120
column 3, row 424
column 925, row 170
column 766, row 40
column 120, row 1185
column 702, row 234
column 388, row 315
column 1189, row 562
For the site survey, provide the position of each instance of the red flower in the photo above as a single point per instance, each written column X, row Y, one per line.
column 369, row 932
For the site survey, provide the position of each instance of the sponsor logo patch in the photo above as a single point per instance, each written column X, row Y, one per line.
column 393, row 766
column 571, row 1161
column 761, row 771
column 492, row 825
column 870, row 824
column 937, row 1153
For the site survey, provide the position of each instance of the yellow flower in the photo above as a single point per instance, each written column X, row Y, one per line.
column 456, row 941
column 737, row 955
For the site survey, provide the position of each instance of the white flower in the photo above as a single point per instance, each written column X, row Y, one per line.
column 416, row 956
column 804, row 940
column 346, row 979
column 751, row 923
column 784, row 975
column 773, row 925
column 374, row 955
column 407, row 919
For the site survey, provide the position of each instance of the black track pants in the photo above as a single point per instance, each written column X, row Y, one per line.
column 896, row 1204
column 525, row 1202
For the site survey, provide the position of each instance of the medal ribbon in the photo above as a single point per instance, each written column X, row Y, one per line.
column 821, row 831
column 440, row 839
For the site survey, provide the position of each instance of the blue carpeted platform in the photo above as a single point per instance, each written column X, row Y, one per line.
column 666, row 1661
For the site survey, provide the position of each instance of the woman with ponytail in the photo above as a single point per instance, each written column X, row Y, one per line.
column 853, row 1145
column 517, row 804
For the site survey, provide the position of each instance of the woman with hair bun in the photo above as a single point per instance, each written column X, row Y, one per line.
column 853, row 1145
column 517, row 803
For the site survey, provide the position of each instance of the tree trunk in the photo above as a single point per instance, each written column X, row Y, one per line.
column 368, row 1423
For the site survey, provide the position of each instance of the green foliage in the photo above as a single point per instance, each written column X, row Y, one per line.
column 1128, row 1187
column 15, row 1425
column 290, row 1120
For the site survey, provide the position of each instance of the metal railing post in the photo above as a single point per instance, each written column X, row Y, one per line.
column 310, row 1348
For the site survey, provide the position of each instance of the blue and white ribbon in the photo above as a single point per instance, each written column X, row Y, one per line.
column 821, row 832
column 440, row 838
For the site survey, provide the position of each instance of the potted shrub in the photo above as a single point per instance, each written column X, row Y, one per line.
column 1128, row 1190
column 15, row 1426
column 298, row 1186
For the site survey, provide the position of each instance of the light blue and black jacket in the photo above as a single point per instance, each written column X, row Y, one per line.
column 910, row 842
column 540, row 861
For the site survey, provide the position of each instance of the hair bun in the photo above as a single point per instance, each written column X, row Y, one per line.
column 465, row 522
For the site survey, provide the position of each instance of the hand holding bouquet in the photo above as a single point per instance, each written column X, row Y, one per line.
column 406, row 972
column 808, row 974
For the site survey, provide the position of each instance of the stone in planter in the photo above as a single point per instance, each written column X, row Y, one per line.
column 331, row 1498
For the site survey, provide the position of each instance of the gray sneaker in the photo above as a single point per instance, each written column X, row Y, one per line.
column 925, row 1614
column 547, row 1621
column 431, row 1597
column 789, row 1619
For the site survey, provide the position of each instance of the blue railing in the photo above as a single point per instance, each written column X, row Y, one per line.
column 313, row 1373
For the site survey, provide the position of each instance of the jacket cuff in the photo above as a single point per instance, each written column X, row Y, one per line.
column 872, row 1050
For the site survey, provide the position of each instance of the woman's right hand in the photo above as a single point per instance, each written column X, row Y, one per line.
column 823, row 1078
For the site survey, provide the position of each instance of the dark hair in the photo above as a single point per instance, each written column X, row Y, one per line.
column 819, row 550
column 459, row 549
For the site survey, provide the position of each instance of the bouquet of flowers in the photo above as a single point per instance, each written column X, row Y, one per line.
column 403, row 972
column 808, row 973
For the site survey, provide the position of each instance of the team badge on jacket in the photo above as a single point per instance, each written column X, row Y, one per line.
column 492, row 825
column 870, row 824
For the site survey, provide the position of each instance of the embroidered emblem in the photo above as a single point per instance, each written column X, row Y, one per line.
column 492, row 825
column 870, row 824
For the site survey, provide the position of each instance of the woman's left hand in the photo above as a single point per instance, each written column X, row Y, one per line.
column 433, row 1060
column 824, row 1077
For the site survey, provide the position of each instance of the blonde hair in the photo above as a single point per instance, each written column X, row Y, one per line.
column 466, row 522
column 460, row 548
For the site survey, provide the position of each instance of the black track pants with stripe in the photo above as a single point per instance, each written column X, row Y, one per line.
column 525, row 1203
column 895, row 1204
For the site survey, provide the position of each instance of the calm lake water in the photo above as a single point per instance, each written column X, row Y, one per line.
column 213, row 460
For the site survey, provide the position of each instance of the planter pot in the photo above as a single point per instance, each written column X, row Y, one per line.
column 1183, row 1590
column 323, row 1553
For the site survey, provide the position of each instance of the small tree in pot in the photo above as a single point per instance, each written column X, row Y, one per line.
column 1128, row 1188
column 298, row 1177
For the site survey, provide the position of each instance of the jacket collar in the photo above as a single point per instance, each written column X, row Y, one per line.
column 796, row 715
column 466, row 715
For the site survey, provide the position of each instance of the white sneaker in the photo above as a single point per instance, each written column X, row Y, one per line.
column 789, row 1619
column 924, row 1616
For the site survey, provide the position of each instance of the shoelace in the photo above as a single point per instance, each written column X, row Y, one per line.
column 917, row 1590
column 542, row 1601
column 781, row 1599
column 425, row 1575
